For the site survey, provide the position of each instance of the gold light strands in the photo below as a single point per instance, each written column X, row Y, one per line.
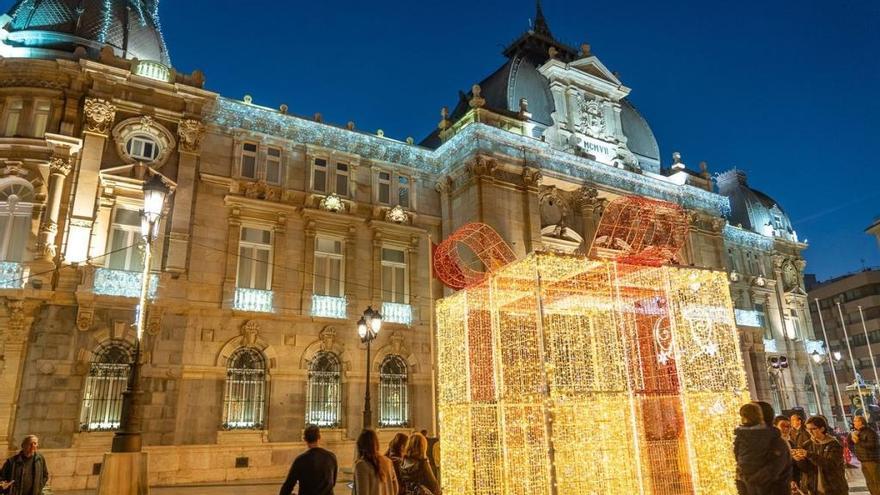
column 560, row 375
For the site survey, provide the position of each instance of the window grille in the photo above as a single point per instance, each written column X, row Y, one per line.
column 323, row 400
column 107, row 379
column 393, row 396
column 245, row 400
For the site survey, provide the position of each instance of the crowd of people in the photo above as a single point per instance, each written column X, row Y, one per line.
column 402, row 470
column 793, row 455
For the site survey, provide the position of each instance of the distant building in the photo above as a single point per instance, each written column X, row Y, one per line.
column 874, row 229
column 852, row 297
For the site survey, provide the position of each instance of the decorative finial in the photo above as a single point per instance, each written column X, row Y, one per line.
column 380, row 133
column 477, row 101
column 585, row 50
column 283, row 109
column 524, row 109
column 248, row 99
column 350, row 125
column 444, row 118
column 704, row 169
column 410, row 140
column 541, row 26
column 318, row 117
column 676, row 161
column 552, row 52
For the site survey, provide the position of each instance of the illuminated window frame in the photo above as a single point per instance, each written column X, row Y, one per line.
column 247, row 254
column 398, row 295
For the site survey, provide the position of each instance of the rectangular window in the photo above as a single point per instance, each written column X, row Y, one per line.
column 15, row 227
column 124, row 242
column 41, row 117
column 249, row 160
column 762, row 319
column 319, row 175
column 795, row 324
column 342, row 179
column 384, row 187
column 394, row 276
column 273, row 165
column 329, row 267
column 403, row 191
column 255, row 258
column 13, row 115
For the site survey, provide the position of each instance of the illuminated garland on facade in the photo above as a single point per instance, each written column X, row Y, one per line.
column 593, row 376
column 471, row 139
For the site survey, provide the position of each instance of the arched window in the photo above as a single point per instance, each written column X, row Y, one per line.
column 16, row 204
column 245, row 401
column 393, row 398
column 107, row 379
column 323, row 404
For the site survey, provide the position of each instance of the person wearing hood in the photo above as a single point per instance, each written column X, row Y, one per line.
column 823, row 470
column 415, row 472
column 761, row 455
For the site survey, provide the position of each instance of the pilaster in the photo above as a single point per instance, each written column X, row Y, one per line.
column 14, row 330
column 190, row 133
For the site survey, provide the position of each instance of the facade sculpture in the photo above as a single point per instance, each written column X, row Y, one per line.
column 281, row 229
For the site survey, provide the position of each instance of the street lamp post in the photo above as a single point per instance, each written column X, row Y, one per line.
column 124, row 470
column 368, row 329
column 778, row 365
column 830, row 359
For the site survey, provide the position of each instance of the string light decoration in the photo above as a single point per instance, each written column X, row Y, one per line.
column 487, row 247
column 564, row 375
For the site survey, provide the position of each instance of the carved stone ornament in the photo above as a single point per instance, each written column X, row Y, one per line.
column 59, row 166
column 100, row 115
column 592, row 122
column 144, row 127
column 250, row 331
column 532, row 177
column 477, row 101
column 332, row 203
column 328, row 338
column 444, row 185
column 154, row 321
column 481, row 166
column 397, row 215
column 190, row 132
column 586, row 196
column 261, row 190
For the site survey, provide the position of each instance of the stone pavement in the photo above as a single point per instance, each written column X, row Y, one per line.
column 270, row 487
column 263, row 487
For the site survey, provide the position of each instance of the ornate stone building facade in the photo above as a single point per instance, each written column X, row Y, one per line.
column 282, row 229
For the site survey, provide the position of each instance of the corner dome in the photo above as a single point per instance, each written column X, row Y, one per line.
column 752, row 209
column 55, row 28
column 639, row 136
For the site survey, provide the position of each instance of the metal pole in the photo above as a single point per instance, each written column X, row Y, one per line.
column 368, row 415
column 870, row 351
column 128, row 437
column 831, row 363
column 852, row 358
column 813, row 377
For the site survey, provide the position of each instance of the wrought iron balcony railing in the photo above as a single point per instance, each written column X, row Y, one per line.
column 254, row 300
column 397, row 313
column 110, row 282
column 328, row 306
column 11, row 275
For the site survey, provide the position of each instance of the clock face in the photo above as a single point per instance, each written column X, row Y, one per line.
column 790, row 276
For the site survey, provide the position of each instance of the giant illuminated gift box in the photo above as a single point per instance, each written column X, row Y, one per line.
column 565, row 375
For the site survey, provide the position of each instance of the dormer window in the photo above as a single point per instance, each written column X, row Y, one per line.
column 142, row 148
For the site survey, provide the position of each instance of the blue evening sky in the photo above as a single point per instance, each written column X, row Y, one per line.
column 786, row 90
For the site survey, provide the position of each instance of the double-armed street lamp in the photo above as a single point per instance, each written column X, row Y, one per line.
column 368, row 329
column 831, row 360
column 128, row 436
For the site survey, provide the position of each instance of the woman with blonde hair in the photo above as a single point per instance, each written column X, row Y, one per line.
column 395, row 453
column 373, row 472
column 416, row 475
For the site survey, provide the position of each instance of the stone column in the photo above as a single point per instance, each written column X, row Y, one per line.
column 531, row 178
column 349, row 273
column 413, row 267
column 308, row 278
column 13, row 348
column 570, row 106
column 444, row 187
column 233, row 237
column 190, row 133
column 46, row 247
column 592, row 207
column 280, row 282
column 99, row 117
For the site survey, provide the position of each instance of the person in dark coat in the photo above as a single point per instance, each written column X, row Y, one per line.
column 416, row 475
column 823, row 471
column 798, row 434
column 867, row 449
column 395, row 453
column 314, row 470
column 25, row 473
column 762, row 456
